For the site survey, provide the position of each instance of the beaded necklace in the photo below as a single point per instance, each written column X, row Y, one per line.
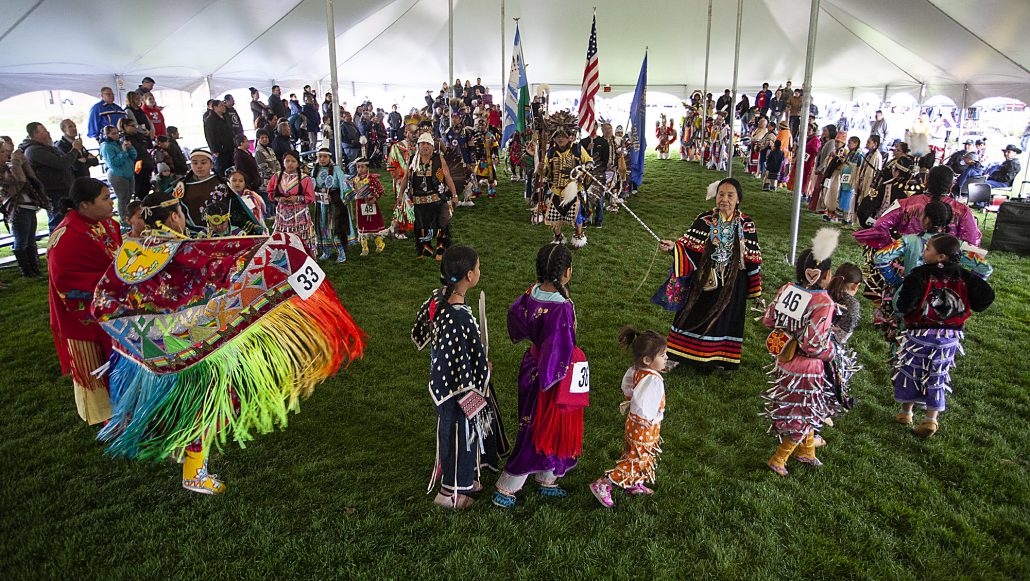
column 723, row 235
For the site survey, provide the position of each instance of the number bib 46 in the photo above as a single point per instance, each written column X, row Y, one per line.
column 793, row 302
column 307, row 279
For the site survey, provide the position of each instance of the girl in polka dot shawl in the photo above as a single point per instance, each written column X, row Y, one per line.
column 644, row 389
column 469, row 435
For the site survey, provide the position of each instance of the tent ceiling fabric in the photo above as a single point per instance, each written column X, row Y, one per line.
column 862, row 44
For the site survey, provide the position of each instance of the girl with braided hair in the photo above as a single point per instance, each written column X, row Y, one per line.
column 905, row 215
column 554, row 381
column 935, row 301
column 801, row 318
column 904, row 255
column 469, row 435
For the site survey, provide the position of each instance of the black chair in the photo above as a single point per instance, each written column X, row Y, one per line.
column 979, row 197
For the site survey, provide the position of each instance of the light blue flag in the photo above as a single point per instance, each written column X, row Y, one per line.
column 516, row 95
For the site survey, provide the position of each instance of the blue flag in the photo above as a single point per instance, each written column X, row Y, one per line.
column 638, row 127
column 516, row 94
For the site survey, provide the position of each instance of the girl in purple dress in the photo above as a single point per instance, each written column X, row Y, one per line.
column 935, row 300
column 553, row 381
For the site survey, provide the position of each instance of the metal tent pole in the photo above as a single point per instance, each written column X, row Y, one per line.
column 704, row 92
column 450, row 43
column 799, row 173
column 733, row 101
column 503, row 67
column 962, row 113
column 334, row 82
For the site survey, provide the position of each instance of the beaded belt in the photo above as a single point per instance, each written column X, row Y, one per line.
column 427, row 199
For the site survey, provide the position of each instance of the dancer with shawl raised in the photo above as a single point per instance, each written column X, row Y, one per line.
column 213, row 339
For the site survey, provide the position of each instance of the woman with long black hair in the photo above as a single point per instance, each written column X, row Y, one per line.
column 717, row 266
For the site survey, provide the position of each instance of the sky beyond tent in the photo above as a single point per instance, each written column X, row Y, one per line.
column 862, row 45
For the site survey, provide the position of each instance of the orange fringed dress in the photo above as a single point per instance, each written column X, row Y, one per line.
column 644, row 408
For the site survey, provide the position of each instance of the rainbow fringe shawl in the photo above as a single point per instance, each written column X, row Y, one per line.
column 250, row 383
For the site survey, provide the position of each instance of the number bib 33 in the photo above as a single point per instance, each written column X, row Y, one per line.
column 306, row 280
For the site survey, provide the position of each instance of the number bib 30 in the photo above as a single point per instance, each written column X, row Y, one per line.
column 574, row 388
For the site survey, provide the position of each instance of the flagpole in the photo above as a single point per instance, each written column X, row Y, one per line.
column 704, row 93
column 503, row 84
column 799, row 176
column 733, row 103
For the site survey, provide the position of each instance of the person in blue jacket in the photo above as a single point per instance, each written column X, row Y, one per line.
column 104, row 113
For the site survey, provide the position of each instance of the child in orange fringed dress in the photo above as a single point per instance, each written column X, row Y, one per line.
column 644, row 389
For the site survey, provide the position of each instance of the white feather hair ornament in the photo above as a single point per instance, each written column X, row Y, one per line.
column 825, row 243
column 713, row 189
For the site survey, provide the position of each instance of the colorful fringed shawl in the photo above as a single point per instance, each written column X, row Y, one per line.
column 215, row 338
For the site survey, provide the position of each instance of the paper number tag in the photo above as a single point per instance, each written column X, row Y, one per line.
column 580, row 377
column 845, row 178
column 307, row 279
column 368, row 209
column 793, row 302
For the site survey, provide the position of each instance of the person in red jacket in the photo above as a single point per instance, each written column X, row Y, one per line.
column 154, row 114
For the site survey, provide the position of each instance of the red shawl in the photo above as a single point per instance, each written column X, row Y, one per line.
column 80, row 252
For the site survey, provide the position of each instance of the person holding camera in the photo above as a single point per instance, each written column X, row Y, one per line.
column 120, row 157
column 52, row 166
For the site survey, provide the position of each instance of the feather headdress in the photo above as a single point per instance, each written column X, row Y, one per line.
column 825, row 243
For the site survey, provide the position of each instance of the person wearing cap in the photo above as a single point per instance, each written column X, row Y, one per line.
column 367, row 191
column 145, row 86
column 563, row 208
column 163, row 180
column 1002, row 175
column 430, row 187
column 955, row 161
column 398, row 165
column 333, row 228
column 198, row 187
column 970, row 168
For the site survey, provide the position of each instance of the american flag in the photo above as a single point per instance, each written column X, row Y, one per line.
column 591, row 84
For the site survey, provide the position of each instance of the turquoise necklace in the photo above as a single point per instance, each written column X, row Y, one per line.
column 722, row 236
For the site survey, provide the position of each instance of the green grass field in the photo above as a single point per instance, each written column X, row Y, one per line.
column 341, row 493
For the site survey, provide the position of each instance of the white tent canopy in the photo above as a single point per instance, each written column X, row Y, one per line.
column 877, row 46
